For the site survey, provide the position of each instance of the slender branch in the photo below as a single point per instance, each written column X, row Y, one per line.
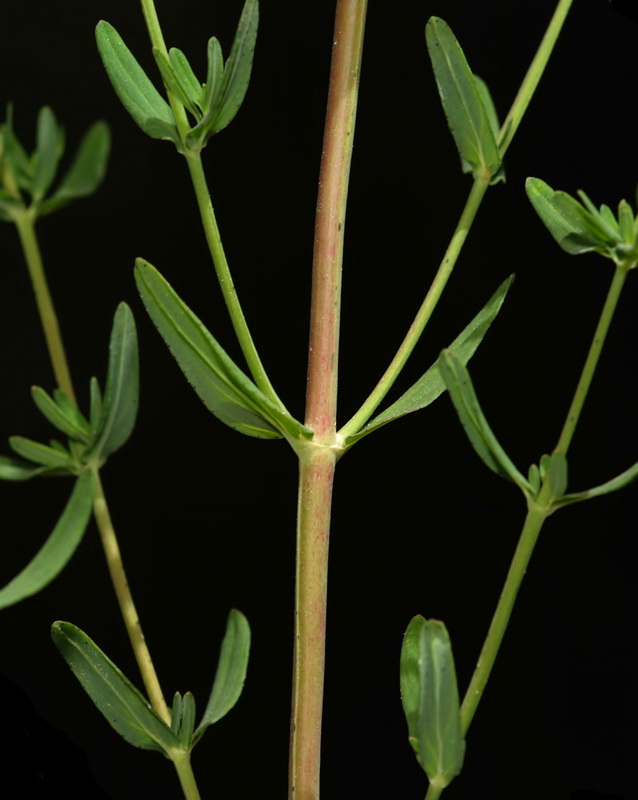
column 479, row 187
column 25, row 223
column 592, row 359
column 321, row 396
column 125, row 600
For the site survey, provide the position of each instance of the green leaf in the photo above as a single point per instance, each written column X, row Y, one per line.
column 187, row 721
column 58, row 548
column 12, row 470
column 186, row 78
column 492, row 116
column 574, row 228
column 553, row 469
column 459, row 386
column 430, row 385
column 123, row 706
column 462, row 101
column 95, row 413
column 14, row 155
column 223, row 388
column 215, row 70
column 222, row 101
column 430, row 698
column 409, row 677
column 136, row 92
column 87, row 170
column 175, row 84
column 49, row 150
column 231, row 672
column 42, row 454
column 121, row 395
column 63, row 415
column 613, row 485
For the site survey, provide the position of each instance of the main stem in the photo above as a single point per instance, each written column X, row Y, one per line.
column 25, row 223
column 317, row 459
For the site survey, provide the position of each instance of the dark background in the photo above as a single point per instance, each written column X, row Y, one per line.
column 206, row 517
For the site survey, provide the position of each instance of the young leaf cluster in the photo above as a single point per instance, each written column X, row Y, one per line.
column 213, row 104
column 26, row 180
column 580, row 227
column 126, row 709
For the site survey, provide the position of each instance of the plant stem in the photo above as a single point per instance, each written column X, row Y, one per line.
column 186, row 776
column 533, row 523
column 317, row 459
column 316, row 474
column 25, row 223
column 125, row 600
column 321, row 406
column 434, row 792
column 592, row 359
column 224, row 277
column 533, row 76
column 479, row 187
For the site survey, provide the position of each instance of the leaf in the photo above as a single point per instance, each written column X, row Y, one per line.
column 124, row 707
column 185, row 77
column 430, row 385
column 224, row 96
column 231, row 672
column 462, row 101
column 571, row 225
column 12, row 470
column 58, row 548
column 430, row 698
column 65, row 418
column 121, row 396
column 459, row 386
column 553, row 470
column 136, row 92
column 613, row 485
column 492, row 116
column 49, row 149
column 87, row 170
column 223, row 388
column 187, row 721
column 42, row 454
column 175, row 84
column 440, row 739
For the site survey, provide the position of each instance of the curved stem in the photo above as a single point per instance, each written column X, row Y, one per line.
column 25, row 223
column 125, row 600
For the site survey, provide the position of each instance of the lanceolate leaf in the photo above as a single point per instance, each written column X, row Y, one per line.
column 136, row 92
column 119, row 406
column 49, row 149
column 462, row 101
column 459, row 386
column 57, row 550
column 430, row 385
column 231, row 672
column 123, row 706
column 13, row 470
column 50, row 457
column 65, row 419
column 223, row 388
column 410, row 682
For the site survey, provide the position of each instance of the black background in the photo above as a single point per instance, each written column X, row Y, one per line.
column 206, row 517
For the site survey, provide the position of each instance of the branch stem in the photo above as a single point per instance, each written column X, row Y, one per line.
column 25, row 223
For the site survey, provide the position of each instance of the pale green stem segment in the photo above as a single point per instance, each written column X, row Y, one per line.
column 434, row 792
column 25, row 223
column 185, row 774
column 316, row 475
column 538, row 511
column 125, row 600
column 533, row 76
column 321, row 402
column 479, row 187
column 592, row 358
column 209, row 222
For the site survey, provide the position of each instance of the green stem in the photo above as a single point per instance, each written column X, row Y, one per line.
column 533, row 523
column 125, row 600
column 592, row 358
column 25, row 223
column 186, row 776
column 479, row 187
column 224, row 277
column 533, row 76
column 434, row 792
